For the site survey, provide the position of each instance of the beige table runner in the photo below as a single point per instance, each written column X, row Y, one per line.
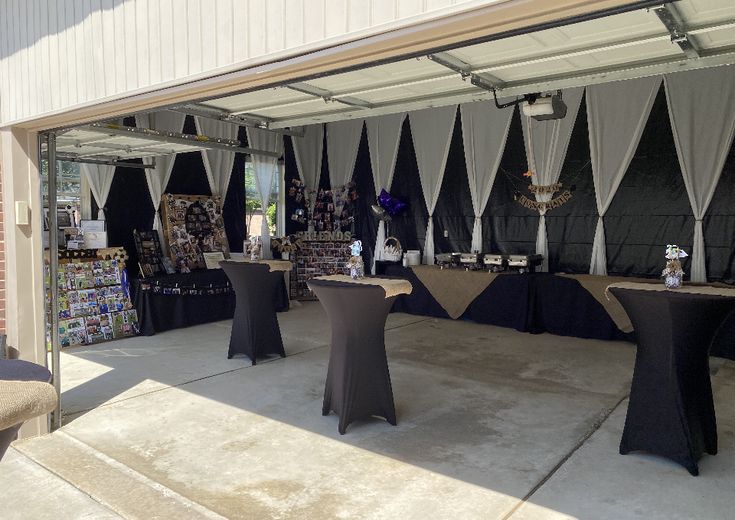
column 710, row 290
column 273, row 265
column 391, row 286
column 597, row 286
column 453, row 289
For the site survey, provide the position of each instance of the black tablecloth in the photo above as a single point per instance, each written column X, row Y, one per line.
column 529, row 302
column 358, row 381
column 671, row 411
column 158, row 312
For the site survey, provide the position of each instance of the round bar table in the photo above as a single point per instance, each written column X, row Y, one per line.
column 671, row 411
column 255, row 330
column 358, row 381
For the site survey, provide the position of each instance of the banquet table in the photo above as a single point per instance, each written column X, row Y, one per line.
column 161, row 302
column 255, row 330
column 671, row 411
column 358, row 381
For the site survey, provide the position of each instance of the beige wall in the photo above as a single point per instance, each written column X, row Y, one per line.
column 23, row 253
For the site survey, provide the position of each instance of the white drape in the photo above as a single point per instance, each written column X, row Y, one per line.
column 616, row 113
column 99, row 177
column 343, row 141
column 265, row 168
column 308, row 151
column 702, row 112
column 384, row 136
column 432, row 129
column 546, row 147
column 217, row 163
column 158, row 177
column 484, row 132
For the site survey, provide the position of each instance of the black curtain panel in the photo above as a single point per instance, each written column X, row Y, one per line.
column 719, row 226
column 291, row 174
column 366, row 225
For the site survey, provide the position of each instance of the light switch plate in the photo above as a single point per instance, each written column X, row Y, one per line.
column 22, row 213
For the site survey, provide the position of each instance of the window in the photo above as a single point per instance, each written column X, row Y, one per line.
column 253, row 206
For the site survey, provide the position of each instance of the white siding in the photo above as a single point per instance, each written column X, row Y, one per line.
column 55, row 54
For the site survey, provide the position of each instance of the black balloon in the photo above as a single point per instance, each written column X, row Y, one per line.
column 393, row 205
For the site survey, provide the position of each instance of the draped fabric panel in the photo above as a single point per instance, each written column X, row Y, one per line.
column 702, row 111
column 431, row 130
column 546, row 147
column 617, row 114
column 265, row 168
column 217, row 163
column 157, row 177
column 343, row 141
column 99, row 177
column 308, row 151
column 484, row 133
column 384, row 136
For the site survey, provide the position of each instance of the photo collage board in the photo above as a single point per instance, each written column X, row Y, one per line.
column 317, row 258
column 193, row 224
column 94, row 303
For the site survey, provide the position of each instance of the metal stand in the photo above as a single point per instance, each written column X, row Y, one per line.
column 53, row 240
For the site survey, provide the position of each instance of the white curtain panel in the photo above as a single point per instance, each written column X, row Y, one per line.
column 308, row 151
column 702, row 112
column 432, row 134
column 157, row 178
column 265, row 168
column 616, row 114
column 546, row 147
column 384, row 136
column 343, row 141
column 217, row 163
column 99, row 177
column 484, row 133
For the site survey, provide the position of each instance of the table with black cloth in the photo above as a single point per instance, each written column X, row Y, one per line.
column 358, row 380
column 671, row 411
column 528, row 302
column 158, row 312
column 255, row 330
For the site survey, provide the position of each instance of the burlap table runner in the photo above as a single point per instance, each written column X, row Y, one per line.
column 273, row 265
column 453, row 289
column 21, row 401
column 597, row 286
column 391, row 286
column 710, row 290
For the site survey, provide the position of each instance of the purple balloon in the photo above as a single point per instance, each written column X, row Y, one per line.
column 393, row 205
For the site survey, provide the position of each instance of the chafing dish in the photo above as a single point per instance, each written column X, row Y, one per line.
column 494, row 262
column 524, row 263
column 447, row 259
column 469, row 260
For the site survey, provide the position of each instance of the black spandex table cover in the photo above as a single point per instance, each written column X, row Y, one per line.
column 158, row 312
column 255, row 330
column 358, row 381
column 18, row 370
column 671, row 411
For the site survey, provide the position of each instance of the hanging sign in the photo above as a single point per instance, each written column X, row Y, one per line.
column 557, row 201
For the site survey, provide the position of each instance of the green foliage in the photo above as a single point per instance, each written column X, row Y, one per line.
column 271, row 215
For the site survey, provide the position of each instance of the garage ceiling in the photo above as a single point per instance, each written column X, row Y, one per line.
column 676, row 36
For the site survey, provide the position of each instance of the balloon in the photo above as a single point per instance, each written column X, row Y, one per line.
column 393, row 205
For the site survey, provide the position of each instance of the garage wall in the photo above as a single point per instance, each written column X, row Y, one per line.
column 56, row 55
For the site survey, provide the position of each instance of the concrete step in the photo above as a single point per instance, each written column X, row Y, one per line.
column 109, row 482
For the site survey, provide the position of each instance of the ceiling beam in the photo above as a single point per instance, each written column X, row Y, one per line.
column 201, row 141
column 228, row 117
column 70, row 157
column 328, row 96
column 669, row 16
column 463, row 68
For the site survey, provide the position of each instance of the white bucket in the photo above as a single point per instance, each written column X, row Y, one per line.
column 413, row 257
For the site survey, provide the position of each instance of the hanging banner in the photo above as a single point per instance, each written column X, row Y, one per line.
column 560, row 200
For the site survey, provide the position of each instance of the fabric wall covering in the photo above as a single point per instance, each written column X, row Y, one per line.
column 546, row 147
column 616, row 114
column 157, row 177
column 702, row 111
column 484, row 132
column 308, row 150
column 217, row 163
column 99, row 177
column 265, row 169
column 384, row 136
column 343, row 140
column 432, row 134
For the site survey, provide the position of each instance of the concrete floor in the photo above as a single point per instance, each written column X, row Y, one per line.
column 492, row 424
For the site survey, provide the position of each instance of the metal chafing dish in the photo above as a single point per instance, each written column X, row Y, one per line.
column 524, row 263
column 494, row 262
column 470, row 260
column 447, row 259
